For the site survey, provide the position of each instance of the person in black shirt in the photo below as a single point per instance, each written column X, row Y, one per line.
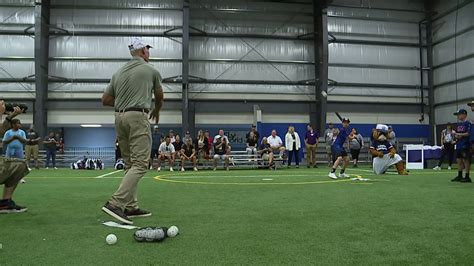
column 255, row 132
column 188, row 153
column 177, row 146
column 32, row 147
column 266, row 153
column 220, row 152
column 51, row 145
column 252, row 144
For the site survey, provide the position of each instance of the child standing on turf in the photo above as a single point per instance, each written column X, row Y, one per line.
column 14, row 139
column 338, row 151
column 463, row 146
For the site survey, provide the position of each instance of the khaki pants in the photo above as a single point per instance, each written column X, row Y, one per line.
column 12, row 171
column 134, row 135
column 31, row 150
column 311, row 153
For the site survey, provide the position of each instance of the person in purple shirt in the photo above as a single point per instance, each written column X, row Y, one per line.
column 463, row 146
column 311, row 141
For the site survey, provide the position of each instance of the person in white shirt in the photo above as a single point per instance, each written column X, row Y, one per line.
column 293, row 145
column 448, row 141
column 329, row 138
column 276, row 143
column 166, row 151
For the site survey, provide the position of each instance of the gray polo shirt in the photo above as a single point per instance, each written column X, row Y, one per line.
column 133, row 85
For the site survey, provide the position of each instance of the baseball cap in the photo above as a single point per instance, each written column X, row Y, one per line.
column 382, row 127
column 346, row 120
column 187, row 132
column 156, row 127
column 471, row 103
column 461, row 112
column 138, row 43
column 218, row 137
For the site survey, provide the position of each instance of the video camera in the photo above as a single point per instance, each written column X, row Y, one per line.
column 9, row 107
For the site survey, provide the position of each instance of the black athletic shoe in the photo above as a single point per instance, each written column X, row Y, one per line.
column 456, row 179
column 137, row 213
column 466, row 180
column 117, row 213
column 11, row 207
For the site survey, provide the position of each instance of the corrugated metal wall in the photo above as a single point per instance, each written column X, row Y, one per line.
column 374, row 58
column 453, row 57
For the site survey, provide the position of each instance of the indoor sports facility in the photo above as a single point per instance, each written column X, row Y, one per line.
column 236, row 132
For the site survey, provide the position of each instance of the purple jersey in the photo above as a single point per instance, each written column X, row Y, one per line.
column 341, row 137
column 311, row 137
column 463, row 127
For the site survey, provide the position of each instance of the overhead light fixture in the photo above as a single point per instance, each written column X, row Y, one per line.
column 91, row 125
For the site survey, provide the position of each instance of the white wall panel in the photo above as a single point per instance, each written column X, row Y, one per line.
column 110, row 47
column 285, row 118
column 447, row 73
column 223, row 118
column 251, row 71
column 14, row 45
column 444, row 51
column 125, row 20
column 101, row 116
column 80, row 69
column 374, row 76
column 373, row 54
column 120, row 4
column 16, row 69
column 232, row 48
column 405, row 4
column 381, row 28
column 374, row 13
column 10, row 16
column 448, row 93
column 446, row 25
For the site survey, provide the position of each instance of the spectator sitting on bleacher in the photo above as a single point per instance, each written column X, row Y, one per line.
column 178, row 144
column 156, row 139
column 252, row 141
column 171, row 135
column 166, row 152
column 266, row 153
column 255, row 132
column 201, row 145
column 276, row 143
column 210, row 146
column 188, row 153
column 223, row 136
column 187, row 136
column 220, row 152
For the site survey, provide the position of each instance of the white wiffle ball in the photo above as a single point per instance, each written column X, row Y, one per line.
column 172, row 231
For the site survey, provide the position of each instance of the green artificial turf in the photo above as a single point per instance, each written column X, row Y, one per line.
column 237, row 217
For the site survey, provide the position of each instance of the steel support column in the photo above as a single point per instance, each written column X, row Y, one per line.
column 319, row 109
column 40, row 116
column 187, row 113
column 429, row 67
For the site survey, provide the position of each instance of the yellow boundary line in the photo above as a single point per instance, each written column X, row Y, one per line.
column 166, row 179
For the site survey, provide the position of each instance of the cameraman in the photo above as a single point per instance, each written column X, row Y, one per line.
column 11, row 170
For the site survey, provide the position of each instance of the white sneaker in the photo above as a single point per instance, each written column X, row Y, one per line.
column 158, row 169
column 332, row 175
column 171, row 169
column 47, row 168
column 29, row 169
column 55, row 168
column 195, row 169
column 344, row 175
column 151, row 167
column 449, row 167
column 182, row 169
column 23, row 181
column 437, row 168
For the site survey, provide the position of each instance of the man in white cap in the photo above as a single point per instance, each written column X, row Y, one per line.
column 385, row 155
column 131, row 92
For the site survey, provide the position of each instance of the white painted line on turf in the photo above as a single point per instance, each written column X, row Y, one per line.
column 111, row 173
column 267, row 179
